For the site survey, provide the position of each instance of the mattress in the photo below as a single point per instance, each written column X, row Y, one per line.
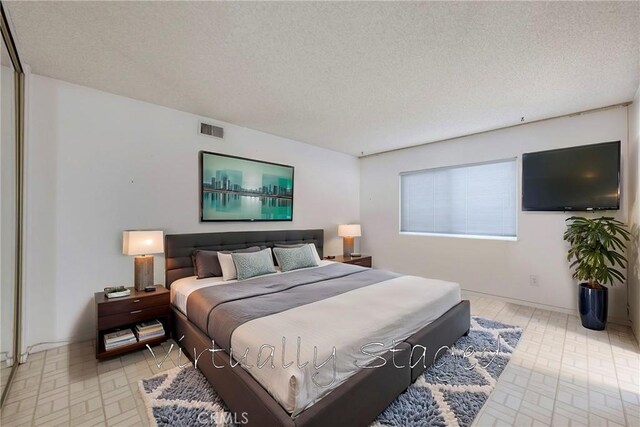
column 338, row 322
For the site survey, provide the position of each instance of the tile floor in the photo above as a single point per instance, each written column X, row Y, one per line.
column 5, row 371
column 561, row 374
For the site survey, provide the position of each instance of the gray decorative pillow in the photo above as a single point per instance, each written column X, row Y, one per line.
column 245, row 250
column 253, row 264
column 206, row 264
column 226, row 262
column 295, row 258
column 298, row 245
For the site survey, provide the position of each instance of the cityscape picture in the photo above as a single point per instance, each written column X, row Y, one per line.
column 239, row 189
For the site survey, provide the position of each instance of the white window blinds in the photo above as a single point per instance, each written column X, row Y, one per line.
column 477, row 200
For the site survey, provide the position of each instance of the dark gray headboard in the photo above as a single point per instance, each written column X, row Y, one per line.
column 179, row 247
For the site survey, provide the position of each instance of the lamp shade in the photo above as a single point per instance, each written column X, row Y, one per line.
column 349, row 230
column 142, row 242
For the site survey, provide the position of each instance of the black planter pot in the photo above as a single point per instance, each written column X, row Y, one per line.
column 593, row 303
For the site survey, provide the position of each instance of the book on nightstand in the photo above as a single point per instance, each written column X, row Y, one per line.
column 149, row 330
column 119, row 338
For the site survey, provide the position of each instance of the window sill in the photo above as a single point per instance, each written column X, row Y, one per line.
column 462, row 236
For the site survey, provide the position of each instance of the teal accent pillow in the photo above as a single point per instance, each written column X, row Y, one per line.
column 253, row 264
column 295, row 258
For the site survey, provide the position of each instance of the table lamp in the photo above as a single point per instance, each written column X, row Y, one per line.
column 348, row 232
column 142, row 244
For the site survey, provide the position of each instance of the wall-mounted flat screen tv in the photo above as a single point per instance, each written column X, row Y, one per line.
column 580, row 178
column 238, row 189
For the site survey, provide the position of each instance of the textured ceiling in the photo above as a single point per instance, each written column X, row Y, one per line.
column 353, row 77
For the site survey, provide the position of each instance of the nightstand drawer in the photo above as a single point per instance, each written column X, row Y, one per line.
column 131, row 304
column 363, row 262
column 133, row 316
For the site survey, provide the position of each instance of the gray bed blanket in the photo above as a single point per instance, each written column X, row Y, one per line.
column 219, row 310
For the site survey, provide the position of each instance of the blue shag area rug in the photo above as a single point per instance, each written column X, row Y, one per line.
column 451, row 392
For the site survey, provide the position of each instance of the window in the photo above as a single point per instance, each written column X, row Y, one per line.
column 470, row 200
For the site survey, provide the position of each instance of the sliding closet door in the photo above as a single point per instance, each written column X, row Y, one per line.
column 11, row 209
column 7, row 215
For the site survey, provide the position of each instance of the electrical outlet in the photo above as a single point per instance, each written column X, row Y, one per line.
column 533, row 280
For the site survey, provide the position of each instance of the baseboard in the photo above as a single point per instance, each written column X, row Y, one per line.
column 610, row 319
column 38, row 347
column 5, row 360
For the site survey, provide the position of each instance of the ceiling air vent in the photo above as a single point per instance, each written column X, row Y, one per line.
column 211, row 130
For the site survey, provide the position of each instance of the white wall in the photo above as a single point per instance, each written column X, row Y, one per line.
column 634, row 214
column 489, row 266
column 98, row 164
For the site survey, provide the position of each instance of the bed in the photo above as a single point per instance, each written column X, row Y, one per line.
column 336, row 310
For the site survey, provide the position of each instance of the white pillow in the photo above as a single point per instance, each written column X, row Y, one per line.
column 315, row 253
column 228, row 267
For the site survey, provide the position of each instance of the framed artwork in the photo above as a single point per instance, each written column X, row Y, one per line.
column 239, row 189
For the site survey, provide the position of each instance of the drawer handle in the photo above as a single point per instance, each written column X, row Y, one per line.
column 136, row 300
column 136, row 312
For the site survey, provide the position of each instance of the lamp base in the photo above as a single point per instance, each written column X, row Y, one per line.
column 143, row 274
column 347, row 245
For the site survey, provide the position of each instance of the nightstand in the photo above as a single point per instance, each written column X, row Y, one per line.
column 363, row 261
column 125, row 312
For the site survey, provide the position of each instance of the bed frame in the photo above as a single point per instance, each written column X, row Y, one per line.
column 356, row 402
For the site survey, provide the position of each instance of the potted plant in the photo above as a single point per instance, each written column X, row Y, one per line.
column 596, row 252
